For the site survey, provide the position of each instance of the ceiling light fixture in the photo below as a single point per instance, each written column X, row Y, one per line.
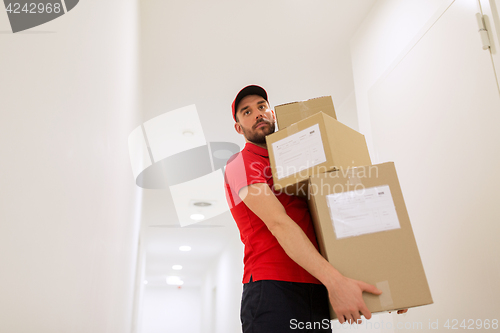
column 174, row 280
column 202, row 204
column 223, row 154
column 177, row 267
column 187, row 133
column 197, row 217
column 185, row 248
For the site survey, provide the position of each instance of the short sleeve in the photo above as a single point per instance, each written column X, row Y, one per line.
column 241, row 172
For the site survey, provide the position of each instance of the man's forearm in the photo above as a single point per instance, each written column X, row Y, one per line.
column 262, row 201
column 299, row 248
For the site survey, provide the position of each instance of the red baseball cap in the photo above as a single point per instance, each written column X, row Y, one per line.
column 248, row 90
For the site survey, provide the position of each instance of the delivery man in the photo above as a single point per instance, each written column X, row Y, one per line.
column 287, row 283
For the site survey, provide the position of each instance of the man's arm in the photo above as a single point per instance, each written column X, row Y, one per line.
column 345, row 294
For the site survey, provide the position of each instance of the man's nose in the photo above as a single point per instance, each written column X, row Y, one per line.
column 260, row 114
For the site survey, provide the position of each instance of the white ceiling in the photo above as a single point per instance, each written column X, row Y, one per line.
column 202, row 53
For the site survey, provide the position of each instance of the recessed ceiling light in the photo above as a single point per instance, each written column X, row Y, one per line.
column 202, row 204
column 145, row 281
column 223, row 154
column 177, row 267
column 197, row 217
column 174, row 280
column 185, row 248
column 187, row 133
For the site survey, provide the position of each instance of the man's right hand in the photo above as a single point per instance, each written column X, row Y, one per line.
column 347, row 300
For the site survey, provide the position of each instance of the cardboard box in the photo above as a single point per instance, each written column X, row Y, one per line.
column 313, row 145
column 364, row 231
column 290, row 113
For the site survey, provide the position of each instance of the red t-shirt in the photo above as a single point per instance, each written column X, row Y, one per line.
column 264, row 258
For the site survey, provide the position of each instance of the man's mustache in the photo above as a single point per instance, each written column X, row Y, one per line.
column 260, row 121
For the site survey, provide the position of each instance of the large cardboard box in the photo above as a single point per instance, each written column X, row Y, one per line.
column 364, row 231
column 313, row 145
column 290, row 113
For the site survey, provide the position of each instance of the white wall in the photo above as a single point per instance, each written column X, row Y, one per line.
column 171, row 309
column 391, row 27
column 139, row 286
column 427, row 99
column 69, row 209
column 222, row 287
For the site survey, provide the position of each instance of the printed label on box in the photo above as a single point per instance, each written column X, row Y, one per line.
column 363, row 211
column 299, row 151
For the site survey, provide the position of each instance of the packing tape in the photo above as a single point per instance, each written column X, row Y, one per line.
column 386, row 298
column 352, row 177
column 292, row 129
column 303, row 110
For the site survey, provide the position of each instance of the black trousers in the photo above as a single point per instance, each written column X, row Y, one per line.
column 270, row 306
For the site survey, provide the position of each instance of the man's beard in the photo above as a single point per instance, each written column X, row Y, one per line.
column 258, row 136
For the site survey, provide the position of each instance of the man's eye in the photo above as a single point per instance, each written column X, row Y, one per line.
column 246, row 112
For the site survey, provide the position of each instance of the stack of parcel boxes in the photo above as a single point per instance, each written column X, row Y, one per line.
column 359, row 214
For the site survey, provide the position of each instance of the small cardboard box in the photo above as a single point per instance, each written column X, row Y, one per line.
column 290, row 113
column 364, row 231
column 313, row 145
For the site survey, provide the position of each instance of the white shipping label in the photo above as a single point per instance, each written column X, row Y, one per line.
column 299, row 151
column 363, row 211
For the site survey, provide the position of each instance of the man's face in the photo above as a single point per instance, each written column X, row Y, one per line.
column 255, row 119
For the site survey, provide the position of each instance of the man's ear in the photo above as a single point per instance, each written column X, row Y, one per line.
column 237, row 127
column 274, row 115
